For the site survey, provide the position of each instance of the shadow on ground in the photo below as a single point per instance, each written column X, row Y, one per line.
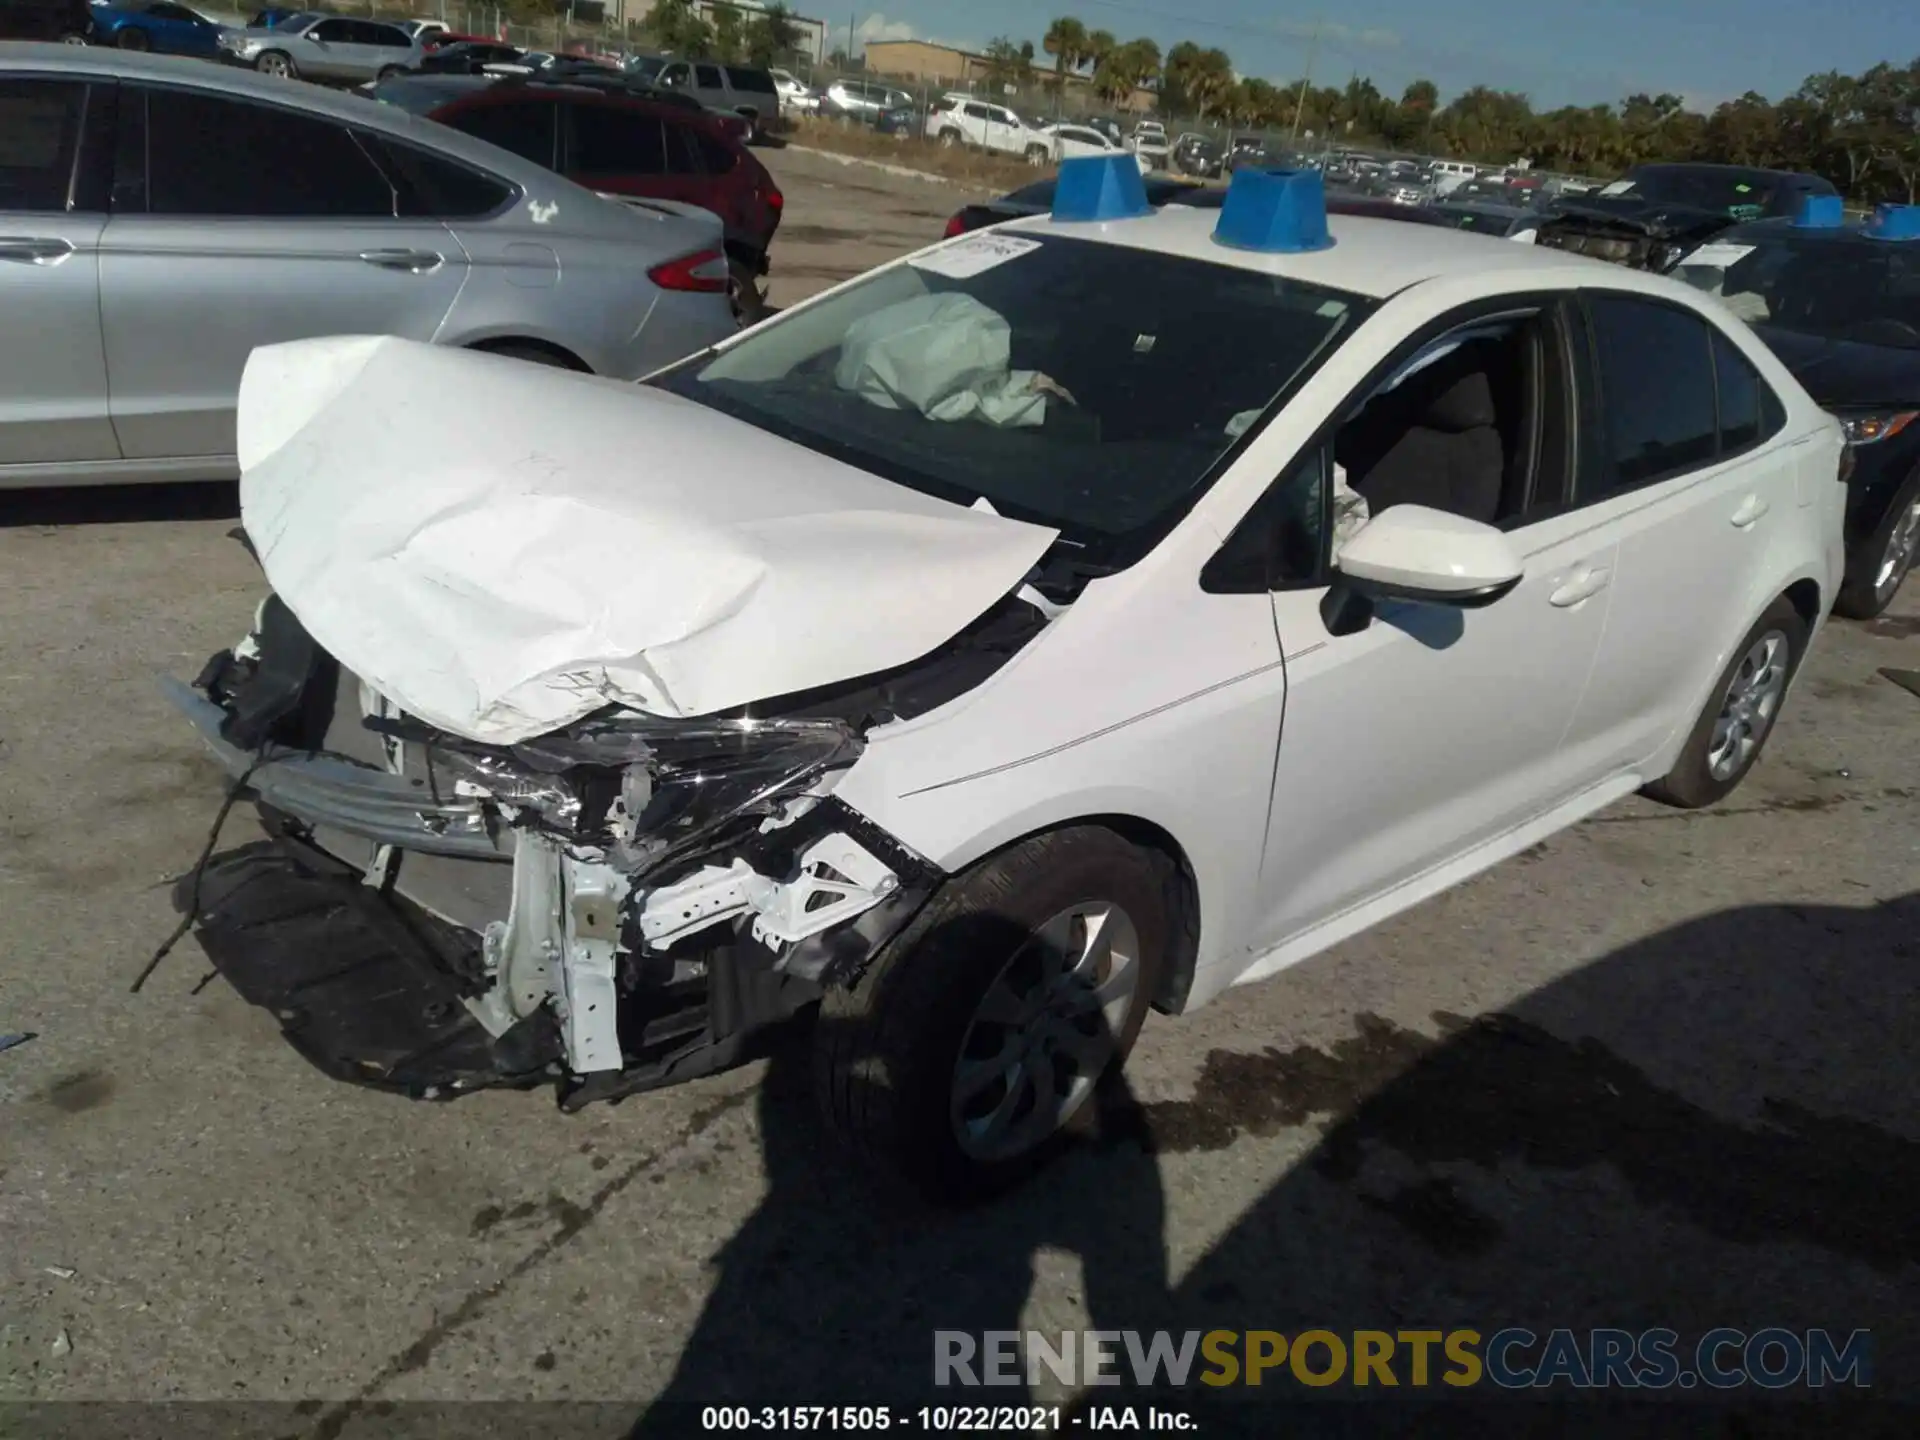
column 120, row 504
column 1712, row 1127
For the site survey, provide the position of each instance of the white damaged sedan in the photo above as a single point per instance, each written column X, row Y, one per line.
column 1067, row 620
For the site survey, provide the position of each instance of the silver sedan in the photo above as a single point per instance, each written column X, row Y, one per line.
column 325, row 47
column 171, row 216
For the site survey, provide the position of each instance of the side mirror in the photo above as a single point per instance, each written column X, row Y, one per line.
column 1420, row 555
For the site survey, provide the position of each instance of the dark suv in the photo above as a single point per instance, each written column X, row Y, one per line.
column 621, row 143
column 68, row 21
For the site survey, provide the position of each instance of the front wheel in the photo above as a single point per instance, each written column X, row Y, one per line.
column 275, row 63
column 1885, row 560
column 388, row 72
column 1037, row 156
column 972, row 1044
column 949, row 139
column 1740, row 713
column 74, row 37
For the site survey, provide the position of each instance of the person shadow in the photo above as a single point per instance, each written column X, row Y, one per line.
column 1711, row 1126
column 833, row 1291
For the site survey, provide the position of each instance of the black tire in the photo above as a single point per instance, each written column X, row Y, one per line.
column 76, row 37
column 1691, row 783
column 1861, row 598
column 747, row 293
column 1037, row 156
column 886, row 1050
column 132, row 40
column 387, row 72
column 949, row 139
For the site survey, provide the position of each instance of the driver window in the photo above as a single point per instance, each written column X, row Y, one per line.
column 1463, row 424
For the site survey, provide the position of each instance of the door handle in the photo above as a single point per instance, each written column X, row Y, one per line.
column 414, row 262
column 34, row 249
column 1585, row 583
column 1751, row 509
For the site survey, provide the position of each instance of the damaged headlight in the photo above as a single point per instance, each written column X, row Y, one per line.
column 646, row 787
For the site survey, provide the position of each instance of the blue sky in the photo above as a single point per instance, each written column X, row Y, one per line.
column 1706, row 50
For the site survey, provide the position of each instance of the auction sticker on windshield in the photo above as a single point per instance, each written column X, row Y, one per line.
column 1721, row 256
column 974, row 255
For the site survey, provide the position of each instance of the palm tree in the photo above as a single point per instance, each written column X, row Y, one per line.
column 1066, row 41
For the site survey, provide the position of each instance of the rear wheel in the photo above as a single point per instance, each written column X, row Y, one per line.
column 131, row 40
column 949, row 139
column 1885, row 560
column 971, row 1046
column 1740, row 714
column 1037, row 155
column 387, row 72
column 746, row 291
column 532, row 354
column 275, row 62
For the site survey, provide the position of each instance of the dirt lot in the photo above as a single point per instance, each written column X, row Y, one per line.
column 1699, row 1110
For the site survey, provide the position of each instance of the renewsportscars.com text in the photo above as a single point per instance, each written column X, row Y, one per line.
column 1514, row 1358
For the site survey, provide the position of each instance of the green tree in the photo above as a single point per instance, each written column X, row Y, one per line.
column 772, row 37
column 675, row 27
column 1122, row 69
column 1066, row 42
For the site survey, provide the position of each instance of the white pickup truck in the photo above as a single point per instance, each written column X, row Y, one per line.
column 964, row 120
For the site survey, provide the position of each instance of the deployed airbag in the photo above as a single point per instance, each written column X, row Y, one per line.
column 502, row 548
column 945, row 355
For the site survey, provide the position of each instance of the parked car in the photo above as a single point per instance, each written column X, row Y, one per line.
column 1450, row 175
column 620, row 141
column 1656, row 213
column 957, row 119
column 974, row 712
column 1486, row 217
column 796, row 97
column 864, row 102
column 1149, row 141
column 205, row 211
column 1198, row 155
column 1037, row 199
column 745, row 89
column 324, row 47
column 1840, row 305
column 466, row 57
column 65, row 22
column 1067, row 141
column 427, row 32
column 273, row 15
column 163, row 26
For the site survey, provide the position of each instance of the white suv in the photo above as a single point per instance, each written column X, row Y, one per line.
column 962, row 120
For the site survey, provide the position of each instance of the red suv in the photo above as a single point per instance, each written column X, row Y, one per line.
column 621, row 143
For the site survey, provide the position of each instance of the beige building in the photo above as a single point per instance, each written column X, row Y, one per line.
column 966, row 70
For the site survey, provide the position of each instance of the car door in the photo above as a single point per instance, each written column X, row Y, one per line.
column 176, row 30
column 386, row 47
column 1436, row 731
column 1693, row 501
column 327, row 50
column 710, row 86
column 249, row 223
column 53, row 363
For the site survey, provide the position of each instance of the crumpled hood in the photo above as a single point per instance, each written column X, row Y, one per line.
column 501, row 548
column 1655, row 217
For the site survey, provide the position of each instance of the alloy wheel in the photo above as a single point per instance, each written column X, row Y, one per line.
column 1045, row 1031
column 1748, row 708
column 1898, row 557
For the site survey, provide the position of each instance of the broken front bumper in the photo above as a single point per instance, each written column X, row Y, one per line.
column 416, row 933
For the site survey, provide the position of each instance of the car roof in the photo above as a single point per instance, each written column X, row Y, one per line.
column 1782, row 228
column 1715, row 167
column 341, row 105
column 1370, row 256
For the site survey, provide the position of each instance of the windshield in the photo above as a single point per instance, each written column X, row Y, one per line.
column 1089, row 387
column 645, row 66
column 1743, row 194
column 1838, row 287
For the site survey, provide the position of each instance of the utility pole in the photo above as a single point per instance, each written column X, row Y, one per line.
column 1313, row 51
column 850, row 19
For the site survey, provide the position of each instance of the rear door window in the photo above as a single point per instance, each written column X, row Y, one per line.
column 708, row 77
column 743, row 79
column 433, row 186
column 683, row 150
column 524, row 126
column 610, row 140
column 211, row 155
column 1749, row 410
column 1657, row 407
column 39, row 135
